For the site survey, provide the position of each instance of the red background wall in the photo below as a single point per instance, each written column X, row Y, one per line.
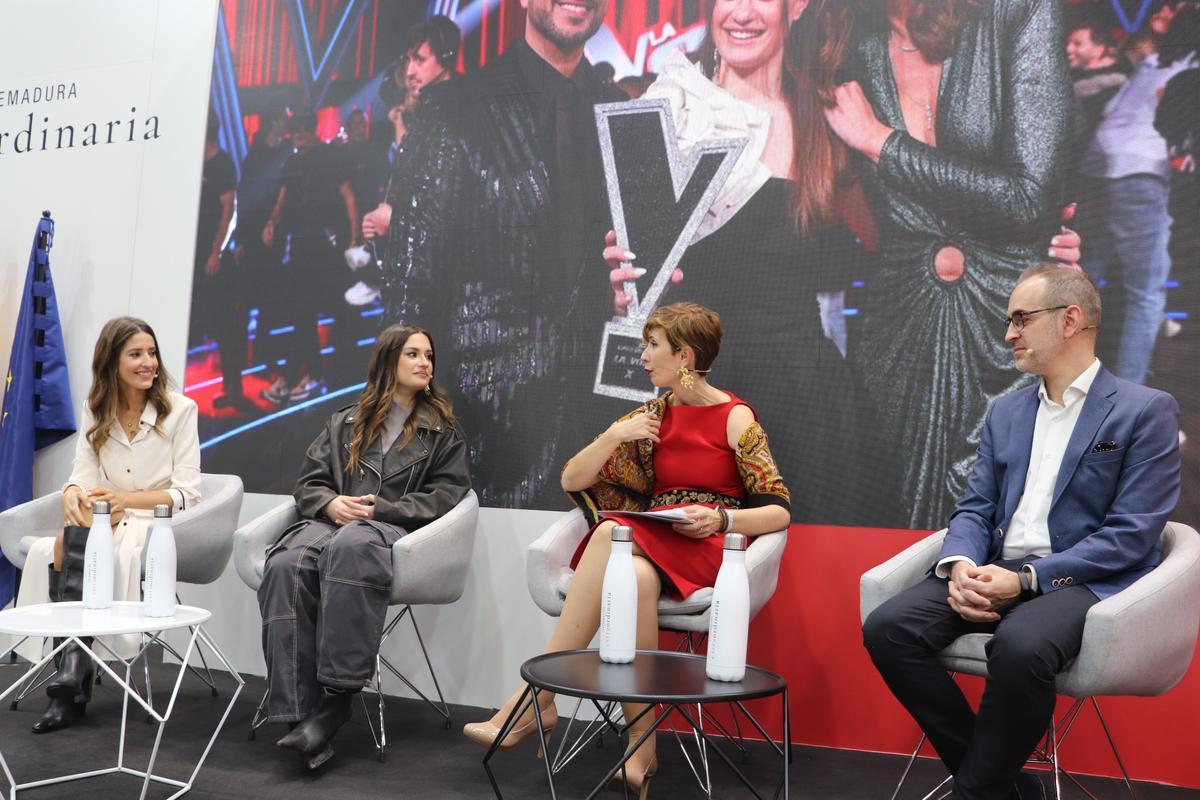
column 810, row 633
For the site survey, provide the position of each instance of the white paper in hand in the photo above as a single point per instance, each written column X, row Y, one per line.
column 665, row 514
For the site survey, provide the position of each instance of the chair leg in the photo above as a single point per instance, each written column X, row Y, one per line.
column 44, row 676
column 1113, row 746
column 908, row 767
column 440, row 705
column 1048, row 754
column 259, row 718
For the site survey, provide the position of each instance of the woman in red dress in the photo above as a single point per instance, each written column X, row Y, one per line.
column 696, row 448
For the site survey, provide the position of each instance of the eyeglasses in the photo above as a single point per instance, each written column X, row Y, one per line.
column 1020, row 318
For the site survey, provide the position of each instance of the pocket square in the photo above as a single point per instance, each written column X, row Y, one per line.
column 1105, row 447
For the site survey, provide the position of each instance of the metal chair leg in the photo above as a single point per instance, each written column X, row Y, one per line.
column 440, row 706
column 44, row 676
column 1047, row 754
column 259, row 719
column 381, row 739
column 1113, row 746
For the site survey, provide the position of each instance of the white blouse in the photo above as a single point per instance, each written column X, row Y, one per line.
column 701, row 111
column 154, row 461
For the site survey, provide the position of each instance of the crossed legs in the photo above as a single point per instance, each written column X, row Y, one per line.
column 578, row 623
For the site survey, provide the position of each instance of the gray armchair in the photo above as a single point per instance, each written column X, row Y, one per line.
column 548, row 573
column 203, row 533
column 1137, row 642
column 429, row 567
column 203, row 541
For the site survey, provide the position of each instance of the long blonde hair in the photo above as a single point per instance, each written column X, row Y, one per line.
column 376, row 398
column 105, row 395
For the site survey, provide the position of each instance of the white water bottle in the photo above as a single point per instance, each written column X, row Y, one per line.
column 729, row 620
column 159, row 598
column 99, row 561
column 618, row 601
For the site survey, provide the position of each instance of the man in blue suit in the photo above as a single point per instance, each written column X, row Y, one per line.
column 1073, row 483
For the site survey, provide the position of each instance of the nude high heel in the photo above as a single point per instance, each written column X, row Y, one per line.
column 631, row 778
column 484, row 733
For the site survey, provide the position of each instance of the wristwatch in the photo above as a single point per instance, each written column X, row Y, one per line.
column 1027, row 591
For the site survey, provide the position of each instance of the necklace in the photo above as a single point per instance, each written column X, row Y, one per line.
column 904, row 48
column 132, row 423
column 926, row 105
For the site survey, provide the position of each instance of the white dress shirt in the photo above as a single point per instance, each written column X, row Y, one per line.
column 1028, row 532
column 166, row 460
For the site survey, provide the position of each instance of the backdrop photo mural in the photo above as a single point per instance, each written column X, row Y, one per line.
column 862, row 294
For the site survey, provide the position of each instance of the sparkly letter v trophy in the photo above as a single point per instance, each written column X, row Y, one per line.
column 658, row 196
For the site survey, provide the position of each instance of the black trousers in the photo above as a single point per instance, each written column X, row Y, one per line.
column 324, row 598
column 1032, row 643
column 219, row 309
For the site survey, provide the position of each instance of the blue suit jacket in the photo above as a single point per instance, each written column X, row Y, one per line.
column 1109, row 507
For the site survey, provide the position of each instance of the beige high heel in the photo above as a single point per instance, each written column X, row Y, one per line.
column 484, row 733
column 639, row 782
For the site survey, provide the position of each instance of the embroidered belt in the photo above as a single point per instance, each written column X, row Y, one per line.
column 676, row 497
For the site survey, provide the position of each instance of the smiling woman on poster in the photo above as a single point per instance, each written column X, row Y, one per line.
column 773, row 247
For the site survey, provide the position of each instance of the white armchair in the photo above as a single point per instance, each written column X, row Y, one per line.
column 203, row 540
column 1136, row 642
column 548, row 573
column 429, row 566
column 203, row 533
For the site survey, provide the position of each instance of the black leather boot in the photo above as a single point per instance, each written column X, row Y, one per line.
column 71, row 688
column 312, row 737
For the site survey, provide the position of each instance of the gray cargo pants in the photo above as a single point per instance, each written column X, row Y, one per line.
column 324, row 598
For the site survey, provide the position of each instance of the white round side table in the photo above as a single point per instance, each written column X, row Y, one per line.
column 71, row 622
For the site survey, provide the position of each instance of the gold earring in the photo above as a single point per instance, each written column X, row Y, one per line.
column 428, row 390
column 685, row 377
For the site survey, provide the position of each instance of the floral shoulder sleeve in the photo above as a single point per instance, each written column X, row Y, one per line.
column 759, row 472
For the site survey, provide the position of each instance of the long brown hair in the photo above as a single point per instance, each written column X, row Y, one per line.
column 817, row 45
column 811, row 57
column 105, row 395
column 934, row 25
column 376, row 398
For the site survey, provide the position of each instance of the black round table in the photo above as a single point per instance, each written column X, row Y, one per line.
column 658, row 678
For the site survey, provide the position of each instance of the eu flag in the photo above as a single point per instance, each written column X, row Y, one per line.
column 37, row 408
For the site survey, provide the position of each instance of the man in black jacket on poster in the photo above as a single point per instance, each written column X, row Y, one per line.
column 494, row 244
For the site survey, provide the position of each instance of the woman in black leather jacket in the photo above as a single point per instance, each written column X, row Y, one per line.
column 389, row 464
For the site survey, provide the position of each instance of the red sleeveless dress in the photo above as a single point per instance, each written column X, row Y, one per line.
column 692, row 455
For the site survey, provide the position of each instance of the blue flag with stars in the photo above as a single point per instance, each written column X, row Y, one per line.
column 37, row 408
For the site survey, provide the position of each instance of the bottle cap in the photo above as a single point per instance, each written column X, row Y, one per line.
column 622, row 533
column 101, row 507
column 162, row 510
column 736, row 541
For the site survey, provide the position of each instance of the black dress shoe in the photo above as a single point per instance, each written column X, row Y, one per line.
column 1030, row 787
column 312, row 737
column 61, row 713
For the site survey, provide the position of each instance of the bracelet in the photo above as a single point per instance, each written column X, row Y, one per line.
column 728, row 520
column 724, row 515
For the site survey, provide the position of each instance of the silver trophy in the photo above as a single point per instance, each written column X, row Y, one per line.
column 658, row 195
